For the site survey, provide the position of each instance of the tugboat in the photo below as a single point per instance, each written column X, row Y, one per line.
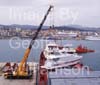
column 81, row 49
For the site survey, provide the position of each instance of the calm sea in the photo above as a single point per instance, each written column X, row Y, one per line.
column 14, row 51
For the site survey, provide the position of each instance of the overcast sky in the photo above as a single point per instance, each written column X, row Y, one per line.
column 66, row 12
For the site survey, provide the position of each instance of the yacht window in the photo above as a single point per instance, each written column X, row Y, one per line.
column 64, row 52
column 56, row 59
column 55, row 53
column 52, row 48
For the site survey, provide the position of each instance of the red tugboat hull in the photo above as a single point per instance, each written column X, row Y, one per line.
column 81, row 49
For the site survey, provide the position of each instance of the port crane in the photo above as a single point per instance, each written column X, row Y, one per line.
column 22, row 71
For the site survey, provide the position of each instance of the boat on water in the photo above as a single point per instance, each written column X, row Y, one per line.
column 92, row 38
column 64, row 35
column 71, row 50
column 82, row 49
column 72, row 34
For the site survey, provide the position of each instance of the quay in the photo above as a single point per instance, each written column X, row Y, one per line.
column 32, row 81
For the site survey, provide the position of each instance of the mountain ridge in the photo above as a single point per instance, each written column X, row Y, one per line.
column 67, row 27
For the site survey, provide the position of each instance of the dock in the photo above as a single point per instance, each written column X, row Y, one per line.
column 54, row 78
column 32, row 81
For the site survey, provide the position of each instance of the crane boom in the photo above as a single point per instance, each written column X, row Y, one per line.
column 27, row 52
column 38, row 30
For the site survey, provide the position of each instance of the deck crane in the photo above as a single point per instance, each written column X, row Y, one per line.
column 21, row 71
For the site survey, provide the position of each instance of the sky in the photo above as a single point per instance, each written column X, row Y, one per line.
column 65, row 12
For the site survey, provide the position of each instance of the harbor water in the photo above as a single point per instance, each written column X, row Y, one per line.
column 13, row 51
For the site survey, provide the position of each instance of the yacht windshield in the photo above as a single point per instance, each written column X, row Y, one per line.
column 64, row 52
column 54, row 53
